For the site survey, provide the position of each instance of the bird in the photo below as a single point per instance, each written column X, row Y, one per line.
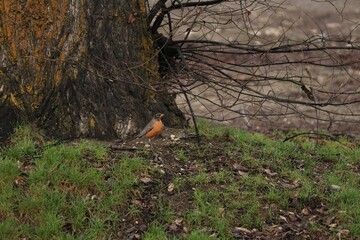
column 153, row 128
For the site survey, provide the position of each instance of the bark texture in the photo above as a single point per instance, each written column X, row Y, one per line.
column 80, row 68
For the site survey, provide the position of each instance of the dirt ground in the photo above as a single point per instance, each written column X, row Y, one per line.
column 296, row 220
column 308, row 17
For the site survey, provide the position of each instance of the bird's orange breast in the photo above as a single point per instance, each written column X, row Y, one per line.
column 156, row 130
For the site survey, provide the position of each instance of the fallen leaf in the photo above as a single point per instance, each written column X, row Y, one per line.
column 333, row 225
column 173, row 227
column 296, row 182
column 178, row 221
column 172, row 137
column 145, row 179
column 300, row 164
column 19, row 181
column 241, row 173
column 329, row 220
column 305, row 211
column 170, row 187
column 241, row 229
column 286, row 185
column 136, row 202
column 283, row 218
column 292, row 216
column 335, row 187
column 268, row 172
column 343, row 232
column 236, row 166
column 214, row 235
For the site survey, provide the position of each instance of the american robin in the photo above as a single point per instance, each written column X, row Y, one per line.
column 153, row 128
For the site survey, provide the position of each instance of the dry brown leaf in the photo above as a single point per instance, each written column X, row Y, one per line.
column 305, row 211
column 145, row 179
column 170, row 187
column 236, row 165
column 241, row 173
column 178, row 221
column 268, row 172
column 296, row 182
column 283, row 218
column 335, row 187
column 19, row 181
column 292, row 216
column 286, row 185
column 173, row 227
column 241, row 229
column 330, row 220
column 334, row 225
column 343, row 233
column 136, row 202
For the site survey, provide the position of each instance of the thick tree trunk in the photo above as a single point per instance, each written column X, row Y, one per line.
column 80, row 68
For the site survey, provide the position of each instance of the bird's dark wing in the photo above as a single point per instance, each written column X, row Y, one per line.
column 147, row 128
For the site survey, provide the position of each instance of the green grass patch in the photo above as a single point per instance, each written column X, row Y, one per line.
column 62, row 191
column 155, row 232
column 234, row 185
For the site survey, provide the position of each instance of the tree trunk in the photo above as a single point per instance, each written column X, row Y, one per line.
column 80, row 68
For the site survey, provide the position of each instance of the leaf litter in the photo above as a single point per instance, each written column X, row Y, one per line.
column 307, row 218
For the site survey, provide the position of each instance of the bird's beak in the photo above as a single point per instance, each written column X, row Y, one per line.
column 162, row 115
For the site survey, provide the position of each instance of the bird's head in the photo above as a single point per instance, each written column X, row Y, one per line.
column 158, row 116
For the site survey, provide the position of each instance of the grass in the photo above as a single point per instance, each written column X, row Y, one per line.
column 155, row 232
column 235, row 180
column 61, row 191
